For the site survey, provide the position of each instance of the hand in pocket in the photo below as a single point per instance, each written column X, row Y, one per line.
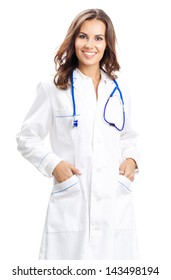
column 127, row 168
column 64, row 170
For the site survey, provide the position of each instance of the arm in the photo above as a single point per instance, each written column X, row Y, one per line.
column 128, row 139
column 34, row 129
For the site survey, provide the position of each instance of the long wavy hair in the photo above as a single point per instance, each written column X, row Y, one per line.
column 66, row 60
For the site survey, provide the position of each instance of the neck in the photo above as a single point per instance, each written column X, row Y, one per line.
column 91, row 72
column 94, row 73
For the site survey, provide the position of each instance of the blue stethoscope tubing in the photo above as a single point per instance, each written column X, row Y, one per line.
column 75, row 121
column 123, row 110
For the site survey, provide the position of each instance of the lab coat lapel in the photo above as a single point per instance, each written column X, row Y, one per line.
column 79, row 81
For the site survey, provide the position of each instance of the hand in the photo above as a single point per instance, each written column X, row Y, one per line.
column 64, row 170
column 127, row 168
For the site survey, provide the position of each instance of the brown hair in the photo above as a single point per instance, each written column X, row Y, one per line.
column 66, row 60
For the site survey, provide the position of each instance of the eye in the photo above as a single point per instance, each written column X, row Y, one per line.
column 82, row 36
column 99, row 38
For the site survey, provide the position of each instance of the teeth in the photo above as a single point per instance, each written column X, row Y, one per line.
column 89, row 53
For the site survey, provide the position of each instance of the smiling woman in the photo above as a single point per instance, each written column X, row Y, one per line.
column 90, row 47
column 99, row 28
column 93, row 158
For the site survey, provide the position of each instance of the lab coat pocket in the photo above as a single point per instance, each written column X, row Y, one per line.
column 125, row 184
column 65, row 185
column 65, row 211
column 63, row 122
column 123, row 204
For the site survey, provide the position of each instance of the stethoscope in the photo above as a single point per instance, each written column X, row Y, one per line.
column 116, row 88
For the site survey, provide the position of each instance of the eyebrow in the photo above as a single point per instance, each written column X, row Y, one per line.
column 95, row 35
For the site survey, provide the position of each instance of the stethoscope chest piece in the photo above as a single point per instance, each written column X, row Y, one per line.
column 75, row 122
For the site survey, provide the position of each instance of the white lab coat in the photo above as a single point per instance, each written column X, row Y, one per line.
column 89, row 216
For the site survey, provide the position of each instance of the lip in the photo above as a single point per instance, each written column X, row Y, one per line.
column 88, row 54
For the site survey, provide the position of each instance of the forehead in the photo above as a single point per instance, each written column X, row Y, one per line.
column 93, row 26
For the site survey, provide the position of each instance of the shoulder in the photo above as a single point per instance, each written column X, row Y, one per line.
column 46, row 84
column 121, row 81
column 124, row 85
column 48, row 87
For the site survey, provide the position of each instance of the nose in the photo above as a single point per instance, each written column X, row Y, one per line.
column 89, row 44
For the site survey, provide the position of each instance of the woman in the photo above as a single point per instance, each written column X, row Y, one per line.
column 93, row 156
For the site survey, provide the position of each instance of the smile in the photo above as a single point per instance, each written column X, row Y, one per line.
column 89, row 54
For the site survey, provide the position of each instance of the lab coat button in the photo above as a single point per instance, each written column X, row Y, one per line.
column 96, row 228
column 97, row 170
column 98, row 141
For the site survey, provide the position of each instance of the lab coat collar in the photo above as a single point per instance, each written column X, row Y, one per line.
column 79, row 76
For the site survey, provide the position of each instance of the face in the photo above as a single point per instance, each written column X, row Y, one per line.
column 90, row 43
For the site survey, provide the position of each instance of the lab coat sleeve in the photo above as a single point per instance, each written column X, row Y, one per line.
column 128, row 137
column 33, row 132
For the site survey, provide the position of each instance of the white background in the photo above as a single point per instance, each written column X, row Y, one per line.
column 30, row 33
